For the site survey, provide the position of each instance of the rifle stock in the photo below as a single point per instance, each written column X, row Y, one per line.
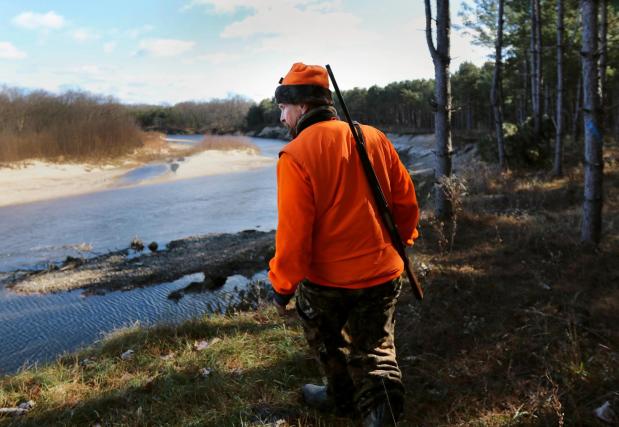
column 379, row 196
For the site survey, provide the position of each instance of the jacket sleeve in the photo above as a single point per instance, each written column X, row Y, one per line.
column 404, row 200
column 293, row 239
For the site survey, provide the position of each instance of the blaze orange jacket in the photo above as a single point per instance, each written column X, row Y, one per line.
column 329, row 229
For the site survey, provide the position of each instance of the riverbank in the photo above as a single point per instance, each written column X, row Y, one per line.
column 217, row 255
column 36, row 180
column 518, row 327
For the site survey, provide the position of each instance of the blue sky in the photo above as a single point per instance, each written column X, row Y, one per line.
column 170, row 51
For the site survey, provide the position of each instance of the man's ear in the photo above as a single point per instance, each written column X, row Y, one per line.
column 304, row 108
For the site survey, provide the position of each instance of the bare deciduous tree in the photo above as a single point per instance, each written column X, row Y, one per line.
column 442, row 124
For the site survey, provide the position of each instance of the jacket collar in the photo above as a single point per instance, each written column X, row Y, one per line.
column 315, row 115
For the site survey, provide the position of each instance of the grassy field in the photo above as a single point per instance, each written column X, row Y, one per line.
column 519, row 327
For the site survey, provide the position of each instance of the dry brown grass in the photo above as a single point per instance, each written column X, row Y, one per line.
column 74, row 126
column 227, row 143
column 82, row 127
column 519, row 323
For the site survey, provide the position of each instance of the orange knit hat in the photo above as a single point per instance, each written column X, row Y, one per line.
column 301, row 74
column 304, row 84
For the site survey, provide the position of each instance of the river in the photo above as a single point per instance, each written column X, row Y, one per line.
column 35, row 329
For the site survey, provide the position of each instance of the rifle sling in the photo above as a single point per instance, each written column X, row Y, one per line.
column 384, row 210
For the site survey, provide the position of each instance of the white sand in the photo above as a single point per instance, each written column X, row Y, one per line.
column 214, row 162
column 38, row 180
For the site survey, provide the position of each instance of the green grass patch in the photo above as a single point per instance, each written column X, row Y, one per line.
column 250, row 375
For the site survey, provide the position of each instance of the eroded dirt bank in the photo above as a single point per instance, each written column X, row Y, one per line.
column 217, row 255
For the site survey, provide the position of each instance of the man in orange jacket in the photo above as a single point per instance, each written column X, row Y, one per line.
column 334, row 251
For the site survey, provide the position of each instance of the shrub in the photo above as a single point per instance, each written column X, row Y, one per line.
column 522, row 148
column 70, row 126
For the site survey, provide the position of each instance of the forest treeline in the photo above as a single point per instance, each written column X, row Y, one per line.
column 408, row 106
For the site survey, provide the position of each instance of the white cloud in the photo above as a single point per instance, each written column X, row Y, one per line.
column 88, row 69
column 219, row 58
column 165, row 47
column 310, row 27
column 134, row 33
column 8, row 51
column 230, row 6
column 34, row 21
column 218, row 6
column 84, row 35
column 109, row 47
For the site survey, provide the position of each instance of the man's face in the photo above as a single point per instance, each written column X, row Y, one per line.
column 290, row 114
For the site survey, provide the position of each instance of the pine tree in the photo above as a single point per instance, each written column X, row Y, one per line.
column 591, row 228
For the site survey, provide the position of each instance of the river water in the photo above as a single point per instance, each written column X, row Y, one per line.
column 36, row 329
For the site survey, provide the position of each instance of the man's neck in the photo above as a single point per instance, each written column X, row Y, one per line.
column 313, row 116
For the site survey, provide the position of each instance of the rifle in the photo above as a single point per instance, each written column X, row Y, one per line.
column 377, row 191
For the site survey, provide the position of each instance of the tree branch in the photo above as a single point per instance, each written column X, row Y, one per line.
column 429, row 40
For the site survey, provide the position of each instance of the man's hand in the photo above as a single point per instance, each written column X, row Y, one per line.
column 281, row 302
column 281, row 309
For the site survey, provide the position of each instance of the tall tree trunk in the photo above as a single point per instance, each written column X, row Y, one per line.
column 526, row 75
column 577, row 108
column 547, row 101
column 616, row 117
column 496, row 98
column 558, row 162
column 594, row 165
column 603, row 59
column 536, row 67
column 442, row 93
column 540, row 76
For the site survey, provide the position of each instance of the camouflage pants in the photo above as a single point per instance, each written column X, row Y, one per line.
column 351, row 332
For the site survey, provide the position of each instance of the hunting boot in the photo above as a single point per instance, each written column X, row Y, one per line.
column 315, row 396
column 379, row 416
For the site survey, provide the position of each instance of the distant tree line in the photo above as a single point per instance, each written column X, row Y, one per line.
column 70, row 126
column 78, row 126
column 218, row 116
column 408, row 106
